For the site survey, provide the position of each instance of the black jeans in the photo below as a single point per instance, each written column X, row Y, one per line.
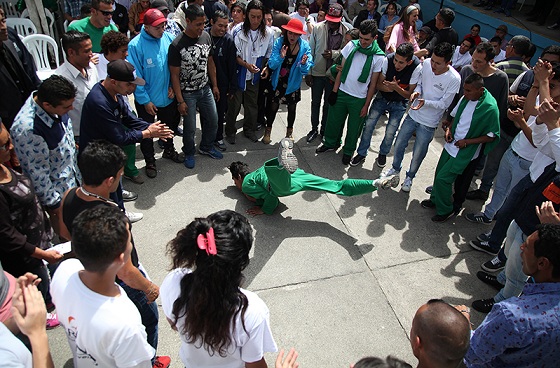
column 169, row 115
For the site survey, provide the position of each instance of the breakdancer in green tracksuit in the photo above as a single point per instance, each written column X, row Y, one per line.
column 280, row 177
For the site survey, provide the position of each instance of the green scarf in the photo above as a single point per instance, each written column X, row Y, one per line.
column 374, row 49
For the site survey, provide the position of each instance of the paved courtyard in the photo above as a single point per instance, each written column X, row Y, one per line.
column 342, row 276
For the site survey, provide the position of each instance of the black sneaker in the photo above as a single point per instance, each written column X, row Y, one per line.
column 483, row 246
column 443, row 218
column 358, row 159
column 381, row 160
column 128, row 196
column 483, row 305
column 322, row 148
column 346, row 159
column 484, row 236
column 230, row 139
column 478, row 218
column 173, row 155
column 249, row 134
column 493, row 265
column 477, row 195
column 312, row 135
column 427, row 203
column 429, row 189
column 489, row 279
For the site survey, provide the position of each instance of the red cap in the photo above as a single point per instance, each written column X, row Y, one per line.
column 154, row 17
column 295, row 26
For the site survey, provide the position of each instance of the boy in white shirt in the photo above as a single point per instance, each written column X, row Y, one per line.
column 361, row 65
column 103, row 327
column 462, row 55
column 437, row 87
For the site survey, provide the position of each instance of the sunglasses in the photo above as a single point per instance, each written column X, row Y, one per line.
column 105, row 13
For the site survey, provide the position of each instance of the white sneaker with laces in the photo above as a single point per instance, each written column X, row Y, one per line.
column 389, row 173
column 134, row 216
column 407, row 184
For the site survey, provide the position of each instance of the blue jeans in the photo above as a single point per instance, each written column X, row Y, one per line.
column 378, row 107
column 512, row 276
column 424, row 136
column 512, row 169
column 204, row 99
column 320, row 92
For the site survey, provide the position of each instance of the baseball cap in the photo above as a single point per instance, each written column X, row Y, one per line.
column 154, row 17
column 335, row 13
column 160, row 5
column 123, row 71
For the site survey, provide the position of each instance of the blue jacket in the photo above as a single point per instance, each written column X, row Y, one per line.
column 298, row 69
column 149, row 57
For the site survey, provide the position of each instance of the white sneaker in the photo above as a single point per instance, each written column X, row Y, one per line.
column 389, row 173
column 134, row 216
column 407, row 184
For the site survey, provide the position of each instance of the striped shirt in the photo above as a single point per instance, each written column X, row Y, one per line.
column 513, row 67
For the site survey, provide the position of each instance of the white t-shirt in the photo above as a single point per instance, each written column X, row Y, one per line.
column 459, row 60
column 500, row 57
column 437, row 91
column 295, row 15
column 13, row 354
column 352, row 86
column 249, row 346
column 102, row 331
column 521, row 144
column 102, row 67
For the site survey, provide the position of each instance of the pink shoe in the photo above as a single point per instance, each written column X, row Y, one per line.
column 52, row 321
column 162, row 361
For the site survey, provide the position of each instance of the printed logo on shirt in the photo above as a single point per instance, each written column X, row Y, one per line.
column 552, row 193
column 439, row 86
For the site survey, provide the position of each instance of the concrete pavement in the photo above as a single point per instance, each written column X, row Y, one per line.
column 342, row 276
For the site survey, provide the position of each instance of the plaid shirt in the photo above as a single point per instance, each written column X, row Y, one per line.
column 73, row 7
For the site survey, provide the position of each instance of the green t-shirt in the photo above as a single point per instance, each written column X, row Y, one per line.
column 84, row 25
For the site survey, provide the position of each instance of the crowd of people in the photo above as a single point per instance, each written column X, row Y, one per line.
column 66, row 143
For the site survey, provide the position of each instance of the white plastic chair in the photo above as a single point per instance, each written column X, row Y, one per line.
column 38, row 46
column 23, row 26
column 48, row 15
column 9, row 7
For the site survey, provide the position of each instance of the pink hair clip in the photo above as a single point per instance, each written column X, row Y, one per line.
column 207, row 242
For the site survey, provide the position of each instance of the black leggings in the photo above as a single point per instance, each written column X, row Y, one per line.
column 272, row 109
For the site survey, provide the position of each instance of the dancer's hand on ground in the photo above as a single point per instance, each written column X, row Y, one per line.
column 255, row 211
column 289, row 362
column 547, row 214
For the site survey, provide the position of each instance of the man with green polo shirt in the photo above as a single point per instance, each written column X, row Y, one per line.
column 97, row 24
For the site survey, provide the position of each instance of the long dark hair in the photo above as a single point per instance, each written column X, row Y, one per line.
column 254, row 4
column 210, row 298
column 405, row 20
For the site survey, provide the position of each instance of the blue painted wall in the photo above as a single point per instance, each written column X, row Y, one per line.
column 465, row 17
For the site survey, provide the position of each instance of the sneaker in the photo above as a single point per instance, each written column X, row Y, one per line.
column 484, row 236
column 160, row 144
column 52, row 320
column 478, row 218
column 477, row 195
column 151, row 169
column 220, row 145
column 249, row 134
column 134, row 216
column 346, row 159
column 312, row 135
column 489, row 279
column 230, row 139
column 173, row 155
column 162, row 361
column 407, row 184
column 137, row 179
column 189, row 162
column 443, row 218
column 129, row 196
column 381, row 160
column 286, row 156
column 322, row 148
column 179, row 131
column 427, row 203
column 212, row 152
column 358, row 159
column 483, row 246
column 493, row 265
column 390, row 172
column 429, row 189
column 50, row 307
column 483, row 305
